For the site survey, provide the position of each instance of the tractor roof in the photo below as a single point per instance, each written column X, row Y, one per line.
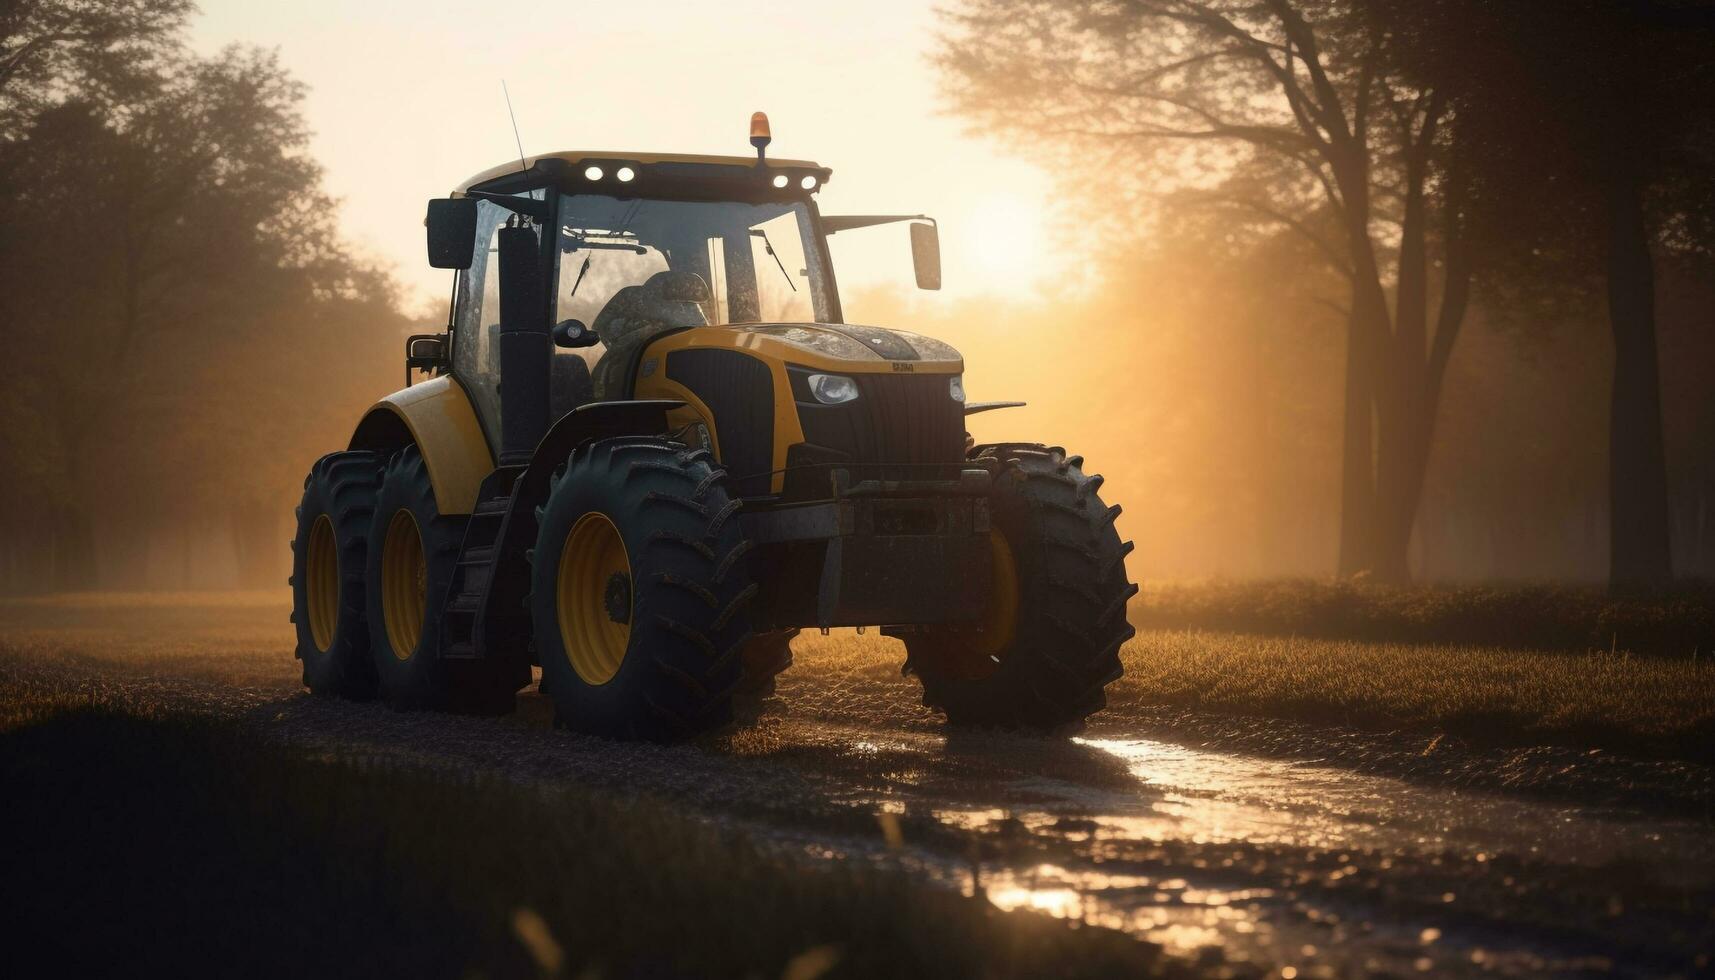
column 690, row 165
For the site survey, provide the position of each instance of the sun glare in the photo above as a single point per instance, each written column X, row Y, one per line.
column 1003, row 243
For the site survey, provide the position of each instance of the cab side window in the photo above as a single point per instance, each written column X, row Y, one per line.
column 476, row 324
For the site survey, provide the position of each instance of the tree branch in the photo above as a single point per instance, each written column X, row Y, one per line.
column 1341, row 262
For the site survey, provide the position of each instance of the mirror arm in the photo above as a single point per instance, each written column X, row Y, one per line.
column 527, row 206
column 835, row 223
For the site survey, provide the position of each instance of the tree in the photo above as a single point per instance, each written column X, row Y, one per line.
column 1289, row 114
column 171, row 285
column 1592, row 154
column 94, row 49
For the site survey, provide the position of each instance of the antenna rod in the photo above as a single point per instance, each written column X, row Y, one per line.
column 514, row 117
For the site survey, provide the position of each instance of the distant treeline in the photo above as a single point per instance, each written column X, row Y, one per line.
column 183, row 329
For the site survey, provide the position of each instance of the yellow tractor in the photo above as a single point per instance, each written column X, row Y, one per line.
column 648, row 450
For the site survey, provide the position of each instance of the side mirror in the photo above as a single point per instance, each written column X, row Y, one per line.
column 573, row 333
column 424, row 352
column 425, row 347
column 926, row 255
column 452, row 232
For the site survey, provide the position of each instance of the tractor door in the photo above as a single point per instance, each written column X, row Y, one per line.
column 476, row 322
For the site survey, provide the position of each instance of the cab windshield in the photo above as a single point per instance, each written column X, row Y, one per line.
column 703, row 262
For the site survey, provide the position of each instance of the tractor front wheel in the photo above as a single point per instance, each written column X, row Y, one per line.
column 639, row 590
column 1050, row 641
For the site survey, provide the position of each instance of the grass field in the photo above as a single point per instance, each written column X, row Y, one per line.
column 1677, row 623
column 1638, row 705
column 1651, row 706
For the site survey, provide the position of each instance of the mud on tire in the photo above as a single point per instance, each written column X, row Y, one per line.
column 681, row 588
column 1062, row 649
column 329, row 560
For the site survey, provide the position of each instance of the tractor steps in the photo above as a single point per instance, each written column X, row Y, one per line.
column 461, row 621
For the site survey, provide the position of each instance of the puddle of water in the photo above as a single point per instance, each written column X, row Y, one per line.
column 1309, row 827
column 1217, row 798
column 1271, row 846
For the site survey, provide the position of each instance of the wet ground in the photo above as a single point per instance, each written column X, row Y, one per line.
column 1289, row 863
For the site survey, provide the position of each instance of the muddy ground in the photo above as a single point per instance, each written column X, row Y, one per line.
column 1290, row 850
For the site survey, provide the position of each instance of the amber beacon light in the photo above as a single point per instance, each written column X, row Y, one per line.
column 759, row 135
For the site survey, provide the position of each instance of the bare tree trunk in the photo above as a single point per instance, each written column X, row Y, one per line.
column 1357, row 477
column 187, row 562
column 258, row 543
column 1403, row 457
column 74, row 549
column 1702, row 534
column 1703, row 543
column 1639, row 550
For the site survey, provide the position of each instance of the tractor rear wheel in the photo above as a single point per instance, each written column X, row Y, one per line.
column 412, row 556
column 1050, row 642
column 329, row 556
column 639, row 590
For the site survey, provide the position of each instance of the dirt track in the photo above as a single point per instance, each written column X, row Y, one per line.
column 1280, row 862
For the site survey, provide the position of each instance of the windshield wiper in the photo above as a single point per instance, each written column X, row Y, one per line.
column 577, row 242
column 769, row 246
column 581, row 270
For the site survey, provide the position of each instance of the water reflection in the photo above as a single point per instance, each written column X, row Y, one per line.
column 1277, row 864
column 1181, row 919
column 1217, row 798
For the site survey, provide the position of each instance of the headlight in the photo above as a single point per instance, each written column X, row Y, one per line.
column 832, row 389
column 956, row 388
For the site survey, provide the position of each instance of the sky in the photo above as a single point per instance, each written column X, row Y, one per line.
column 405, row 101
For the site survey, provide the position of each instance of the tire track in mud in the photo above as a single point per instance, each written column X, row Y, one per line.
column 1254, row 861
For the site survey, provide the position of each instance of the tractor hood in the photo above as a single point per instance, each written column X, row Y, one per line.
column 862, row 345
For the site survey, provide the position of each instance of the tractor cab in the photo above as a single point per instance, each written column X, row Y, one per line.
column 634, row 247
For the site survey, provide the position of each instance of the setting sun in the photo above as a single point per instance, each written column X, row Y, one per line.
column 1001, row 244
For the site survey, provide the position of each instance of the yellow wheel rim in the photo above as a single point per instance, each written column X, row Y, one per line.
column 593, row 561
column 1002, row 618
column 979, row 647
column 321, row 583
column 404, row 584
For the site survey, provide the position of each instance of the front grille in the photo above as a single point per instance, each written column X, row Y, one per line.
column 911, row 419
column 900, row 427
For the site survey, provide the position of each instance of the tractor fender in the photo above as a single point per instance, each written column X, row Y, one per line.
column 596, row 420
column 509, row 579
column 437, row 416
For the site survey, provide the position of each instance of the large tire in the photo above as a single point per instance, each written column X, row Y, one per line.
column 1051, row 642
column 414, row 552
column 638, row 591
column 329, row 559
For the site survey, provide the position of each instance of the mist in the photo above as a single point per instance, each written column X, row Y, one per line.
column 191, row 326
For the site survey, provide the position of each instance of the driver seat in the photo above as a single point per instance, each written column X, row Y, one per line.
column 664, row 302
